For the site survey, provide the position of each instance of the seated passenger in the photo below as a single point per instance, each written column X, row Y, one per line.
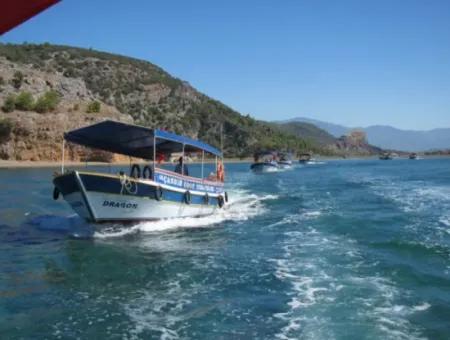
column 212, row 176
column 180, row 166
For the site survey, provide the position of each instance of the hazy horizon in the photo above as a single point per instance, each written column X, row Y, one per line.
column 358, row 64
column 356, row 127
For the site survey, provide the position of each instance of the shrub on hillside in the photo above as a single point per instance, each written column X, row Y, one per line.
column 93, row 107
column 10, row 104
column 24, row 101
column 47, row 102
column 17, row 80
column 6, row 127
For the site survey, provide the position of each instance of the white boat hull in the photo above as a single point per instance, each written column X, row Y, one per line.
column 100, row 198
column 285, row 165
column 265, row 168
column 111, row 207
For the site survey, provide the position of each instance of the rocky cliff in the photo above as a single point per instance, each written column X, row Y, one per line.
column 354, row 143
column 29, row 135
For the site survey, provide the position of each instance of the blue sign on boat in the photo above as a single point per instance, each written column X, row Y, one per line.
column 187, row 183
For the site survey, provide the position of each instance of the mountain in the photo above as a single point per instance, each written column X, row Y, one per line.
column 333, row 129
column 391, row 138
column 309, row 131
column 354, row 143
column 408, row 140
column 48, row 89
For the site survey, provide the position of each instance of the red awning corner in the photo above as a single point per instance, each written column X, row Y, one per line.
column 15, row 12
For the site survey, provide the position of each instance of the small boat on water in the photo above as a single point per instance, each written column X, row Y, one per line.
column 264, row 162
column 385, row 156
column 151, row 194
column 413, row 155
column 285, row 162
column 307, row 158
column 304, row 158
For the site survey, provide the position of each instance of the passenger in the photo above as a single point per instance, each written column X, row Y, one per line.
column 180, row 166
column 212, row 176
column 220, row 172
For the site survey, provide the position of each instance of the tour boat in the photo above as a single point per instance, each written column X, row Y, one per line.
column 264, row 162
column 151, row 194
column 386, row 156
column 284, row 161
column 304, row 158
column 265, row 167
column 285, row 164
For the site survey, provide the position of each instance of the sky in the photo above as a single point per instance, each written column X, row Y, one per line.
column 355, row 63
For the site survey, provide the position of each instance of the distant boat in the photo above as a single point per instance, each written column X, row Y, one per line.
column 285, row 161
column 285, row 164
column 413, row 155
column 151, row 194
column 305, row 158
column 265, row 163
column 265, row 167
column 386, row 156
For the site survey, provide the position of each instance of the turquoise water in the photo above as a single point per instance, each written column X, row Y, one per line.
column 345, row 249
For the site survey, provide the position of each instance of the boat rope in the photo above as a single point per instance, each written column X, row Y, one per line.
column 127, row 185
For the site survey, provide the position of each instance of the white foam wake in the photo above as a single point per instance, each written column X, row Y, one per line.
column 323, row 271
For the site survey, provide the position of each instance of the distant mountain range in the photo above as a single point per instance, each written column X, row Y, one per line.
column 388, row 137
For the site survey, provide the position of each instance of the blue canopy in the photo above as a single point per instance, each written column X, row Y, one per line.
column 133, row 140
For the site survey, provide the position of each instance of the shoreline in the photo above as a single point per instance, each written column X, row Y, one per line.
column 9, row 164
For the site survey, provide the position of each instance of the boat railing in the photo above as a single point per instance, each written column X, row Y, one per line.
column 190, row 178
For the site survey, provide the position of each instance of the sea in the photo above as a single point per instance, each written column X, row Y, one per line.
column 350, row 249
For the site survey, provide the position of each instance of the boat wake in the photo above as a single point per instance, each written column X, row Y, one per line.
column 240, row 207
column 328, row 274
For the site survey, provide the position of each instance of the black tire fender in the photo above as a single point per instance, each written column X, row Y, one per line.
column 135, row 171
column 226, row 197
column 147, row 172
column 55, row 193
column 187, row 197
column 220, row 201
column 158, row 193
column 206, row 198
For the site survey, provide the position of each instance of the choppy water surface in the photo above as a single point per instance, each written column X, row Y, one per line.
column 346, row 249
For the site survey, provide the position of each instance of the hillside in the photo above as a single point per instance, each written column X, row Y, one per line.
column 353, row 143
column 309, row 132
column 388, row 137
column 122, row 87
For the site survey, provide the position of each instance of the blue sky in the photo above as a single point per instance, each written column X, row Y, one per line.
column 351, row 62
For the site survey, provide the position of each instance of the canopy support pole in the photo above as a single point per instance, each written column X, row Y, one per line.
column 182, row 163
column 203, row 157
column 62, row 160
column 154, row 155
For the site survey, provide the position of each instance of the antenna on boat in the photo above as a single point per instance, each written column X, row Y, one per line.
column 221, row 139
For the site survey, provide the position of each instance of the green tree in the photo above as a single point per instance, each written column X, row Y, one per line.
column 47, row 102
column 93, row 107
column 10, row 104
column 17, row 79
column 24, row 101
